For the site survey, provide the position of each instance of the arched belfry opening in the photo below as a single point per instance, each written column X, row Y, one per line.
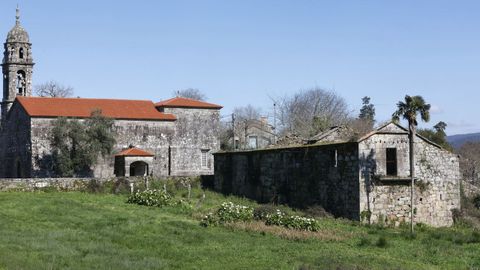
column 21, row 83
column 20, row 53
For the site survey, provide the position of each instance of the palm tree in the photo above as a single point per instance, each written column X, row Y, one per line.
column 409, row 110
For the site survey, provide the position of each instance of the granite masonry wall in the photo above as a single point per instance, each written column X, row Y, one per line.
column 181, row 148
column 196, row 134
column 152, row 136
column 437, row 189
column 324, row 175
column 70, row 184
column 349, row 179
column 15, row 144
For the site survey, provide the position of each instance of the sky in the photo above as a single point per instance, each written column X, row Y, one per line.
column 253, row 52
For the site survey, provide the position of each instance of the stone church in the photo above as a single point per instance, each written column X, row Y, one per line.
column 173, row 137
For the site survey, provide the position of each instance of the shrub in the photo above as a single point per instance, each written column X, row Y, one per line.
column 262, row 211
column 276, row 218
column 152, row 197
column 382, row 242
column 364, row 241
column 292, row 222
column 228, row 212
column 301, row 223
column 365, row 215
column 210, row 219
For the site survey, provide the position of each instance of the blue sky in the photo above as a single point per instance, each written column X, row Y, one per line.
column 242, row 52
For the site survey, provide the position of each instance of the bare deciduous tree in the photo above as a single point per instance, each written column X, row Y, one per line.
column 53, row 89
column 248, row 112
column 309, row 112
column 192, row 93
column 470, row 162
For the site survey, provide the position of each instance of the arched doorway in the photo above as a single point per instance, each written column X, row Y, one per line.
column 138, row 168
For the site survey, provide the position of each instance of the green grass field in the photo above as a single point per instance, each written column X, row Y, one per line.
column 74, row 230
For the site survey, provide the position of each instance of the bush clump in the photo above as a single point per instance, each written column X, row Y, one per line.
column 261, row 212
column 152, row 197
column 292, row 222
column 381, row 242
column 228, row 212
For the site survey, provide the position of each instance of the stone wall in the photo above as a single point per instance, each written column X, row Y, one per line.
column 68, row 184
column 325, row 175
column 15, row 146
column 357, row 187
column 196, row 131
column 388, row 198
column 152, row 136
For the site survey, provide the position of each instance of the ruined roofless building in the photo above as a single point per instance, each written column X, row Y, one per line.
column 365, row 179
column 174, row 137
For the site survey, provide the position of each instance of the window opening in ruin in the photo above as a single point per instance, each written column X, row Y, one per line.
column 392, row 161
column 204, row 158
column 335, row 158
column 20, row 53
column 252, row 142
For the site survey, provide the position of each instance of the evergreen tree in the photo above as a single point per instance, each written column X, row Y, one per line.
column 367, row 112
column 76, row 145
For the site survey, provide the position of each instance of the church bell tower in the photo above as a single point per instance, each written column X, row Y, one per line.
column 17, row 66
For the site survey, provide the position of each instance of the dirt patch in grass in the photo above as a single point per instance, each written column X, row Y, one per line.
column 285, row 233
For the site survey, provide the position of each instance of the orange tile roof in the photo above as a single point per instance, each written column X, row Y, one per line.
column 83, row 107
column 134, row 152
column 181, row 102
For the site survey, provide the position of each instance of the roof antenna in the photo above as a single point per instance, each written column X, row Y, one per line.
column 17, row 16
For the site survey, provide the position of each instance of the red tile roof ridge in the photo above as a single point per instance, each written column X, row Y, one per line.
column 135, row 152
column 77, row 98
column 83, row 107
column 182, row 102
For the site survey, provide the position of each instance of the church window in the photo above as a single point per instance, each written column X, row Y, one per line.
column 391, row 161
column 20, row 53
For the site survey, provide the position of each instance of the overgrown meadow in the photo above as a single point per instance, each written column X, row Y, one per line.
column 176, row 227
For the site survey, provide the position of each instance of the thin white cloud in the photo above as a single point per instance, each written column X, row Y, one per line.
column 434, row 109
column 461, row 124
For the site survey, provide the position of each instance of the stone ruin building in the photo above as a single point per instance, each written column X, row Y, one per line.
column 172, row 137
column 254, row 134
column 365, row 179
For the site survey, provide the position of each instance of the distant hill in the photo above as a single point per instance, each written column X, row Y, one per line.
column 458, row 140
